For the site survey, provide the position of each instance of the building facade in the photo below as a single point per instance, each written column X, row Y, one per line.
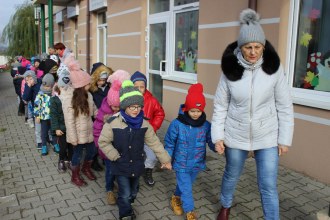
column 180, row 42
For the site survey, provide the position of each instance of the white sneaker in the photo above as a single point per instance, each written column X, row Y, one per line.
column 30, row 122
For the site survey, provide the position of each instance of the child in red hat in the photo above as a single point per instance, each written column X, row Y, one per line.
column 185, row 141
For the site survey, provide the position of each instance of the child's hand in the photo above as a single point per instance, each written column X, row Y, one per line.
column 220, row 147
column 166, row 166
column 59, row 133
column 37, row 120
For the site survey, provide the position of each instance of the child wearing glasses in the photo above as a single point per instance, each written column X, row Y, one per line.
column 122, row 141
column 185, row 141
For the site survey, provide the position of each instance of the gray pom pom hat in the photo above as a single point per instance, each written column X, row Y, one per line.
column 129, row 95
column 251, row 30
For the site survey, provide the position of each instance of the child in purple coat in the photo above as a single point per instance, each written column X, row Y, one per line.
column 109, row 106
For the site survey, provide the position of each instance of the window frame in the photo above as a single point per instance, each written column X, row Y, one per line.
column 301, row 96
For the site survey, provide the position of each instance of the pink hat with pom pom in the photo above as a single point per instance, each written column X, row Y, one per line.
column 78, row 77
column 113, row 94
column 120, row 75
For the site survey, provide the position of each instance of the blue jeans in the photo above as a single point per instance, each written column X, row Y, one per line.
column 184, row 184
column 151, row 158
column 267, row 169
column 77, row 151
column 109, row 178
column 128, row 189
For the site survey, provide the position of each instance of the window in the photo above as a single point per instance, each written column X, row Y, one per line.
column 186, row 41
column 102, row 37
column 173, row 39
column 311, row 73
column 157, row 6
column 183, row 2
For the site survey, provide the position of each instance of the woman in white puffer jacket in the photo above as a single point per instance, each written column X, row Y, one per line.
column 253, row 111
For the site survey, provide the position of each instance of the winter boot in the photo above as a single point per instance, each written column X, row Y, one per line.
column 191, row 215
column 86, row 169
column 111, row 199
column 223, row 214
column 176, row 205
column 95, row 164
column 39, row 146
column 68, row 164
column 148, row 177
column 61, row 166
column 75, row 178
column 44, row 150
column 56, row 148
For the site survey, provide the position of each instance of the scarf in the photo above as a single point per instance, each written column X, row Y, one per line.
column 246, row 64
column 133, row 122
column 187, row 120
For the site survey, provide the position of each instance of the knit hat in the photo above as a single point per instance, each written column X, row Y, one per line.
column 95, row 66
column 250, row 31
column 32, row 74
column 138, row 76
column 104, row 75
column 113, row 94
column 48, row 80
column 120, row 75
column 129, row 95
column 54, row 57
column 195, row 98
column 63, row 76
column 79, row 78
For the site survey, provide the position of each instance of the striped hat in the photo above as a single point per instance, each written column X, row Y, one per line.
column 129, row 95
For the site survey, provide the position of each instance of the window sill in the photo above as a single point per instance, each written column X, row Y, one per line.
column 311, row 98
column 180, row 79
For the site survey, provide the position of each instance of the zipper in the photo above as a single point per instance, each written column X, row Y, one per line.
column 251, row 110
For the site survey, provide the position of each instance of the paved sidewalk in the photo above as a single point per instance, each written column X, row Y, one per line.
column 32, row 188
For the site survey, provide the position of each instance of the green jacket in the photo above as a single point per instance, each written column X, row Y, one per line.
column 56, row 115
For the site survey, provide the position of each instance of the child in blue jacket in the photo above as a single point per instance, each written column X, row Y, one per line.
column 185, row 141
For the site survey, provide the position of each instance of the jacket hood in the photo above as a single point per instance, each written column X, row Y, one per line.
column 181, row 109
column 233, row 71
column 105, row 107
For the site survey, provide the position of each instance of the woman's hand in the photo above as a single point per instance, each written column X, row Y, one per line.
column 282, row 149
column 220, row 147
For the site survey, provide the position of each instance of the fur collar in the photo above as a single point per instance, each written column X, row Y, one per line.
column 233, row 71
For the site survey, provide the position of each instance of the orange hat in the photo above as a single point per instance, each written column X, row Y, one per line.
column 195, row 98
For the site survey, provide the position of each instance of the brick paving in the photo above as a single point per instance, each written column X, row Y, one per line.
column 32, row 188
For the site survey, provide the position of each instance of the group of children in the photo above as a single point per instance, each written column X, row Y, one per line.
column 113, row 115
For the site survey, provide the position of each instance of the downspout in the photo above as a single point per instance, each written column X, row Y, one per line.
column 50, row 23
column 253, row 4
column 88, row 33
column 43, row 38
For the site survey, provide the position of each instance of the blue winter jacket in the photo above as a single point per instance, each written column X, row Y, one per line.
column 30, row 93
column 187, row 145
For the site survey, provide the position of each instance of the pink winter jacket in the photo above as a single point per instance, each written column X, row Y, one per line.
column 104, row 110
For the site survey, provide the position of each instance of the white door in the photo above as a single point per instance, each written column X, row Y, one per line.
column 157, row 55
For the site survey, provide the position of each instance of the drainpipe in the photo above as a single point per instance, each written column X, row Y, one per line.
column 43, row 38
column 50, row 23
column 88, row 33
column 253, row 4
